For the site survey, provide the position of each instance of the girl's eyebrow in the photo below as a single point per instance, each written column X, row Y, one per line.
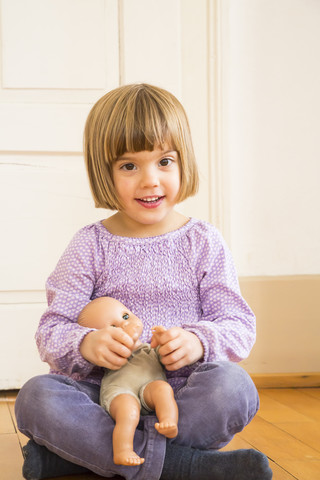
column 120, row 159
column 168, row 151
column 124, row 157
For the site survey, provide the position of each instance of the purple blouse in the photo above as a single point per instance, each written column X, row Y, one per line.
column 184, row 278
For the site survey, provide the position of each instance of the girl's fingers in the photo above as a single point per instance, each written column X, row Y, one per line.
column 119, row 349
column 183, row 348
column 168, row 335
column 121, row 336
column 113, row 361
column 175, row 366
column 113, row 356
column 109, row 347
column 173, row 357
column 170, row 347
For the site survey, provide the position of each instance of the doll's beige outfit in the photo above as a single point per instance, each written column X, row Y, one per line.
column 143, row 367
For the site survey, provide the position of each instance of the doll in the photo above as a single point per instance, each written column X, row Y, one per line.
column 139, row 386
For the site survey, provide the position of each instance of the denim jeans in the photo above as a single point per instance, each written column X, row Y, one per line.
column 218, row 400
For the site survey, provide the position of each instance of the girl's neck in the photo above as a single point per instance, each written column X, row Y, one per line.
column 123, row 226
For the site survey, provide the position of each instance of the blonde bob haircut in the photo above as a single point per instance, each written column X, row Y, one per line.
column 134, row 118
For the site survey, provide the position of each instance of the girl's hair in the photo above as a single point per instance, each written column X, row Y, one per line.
column 134, row 118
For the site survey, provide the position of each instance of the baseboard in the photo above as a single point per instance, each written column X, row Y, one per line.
column 286, row 380
column 288, row 328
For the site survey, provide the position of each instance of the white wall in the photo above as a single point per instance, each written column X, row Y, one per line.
column 272, row 119
column 247, row 72
column 271, row 156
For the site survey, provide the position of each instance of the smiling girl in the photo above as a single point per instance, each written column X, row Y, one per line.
column 166, row 268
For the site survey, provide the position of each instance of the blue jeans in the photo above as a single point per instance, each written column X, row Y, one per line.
column 218, row 400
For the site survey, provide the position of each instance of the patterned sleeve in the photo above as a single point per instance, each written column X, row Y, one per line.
column 69, row 289
column 227, row 327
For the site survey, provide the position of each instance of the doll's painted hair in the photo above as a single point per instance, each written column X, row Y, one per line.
column 134, row 118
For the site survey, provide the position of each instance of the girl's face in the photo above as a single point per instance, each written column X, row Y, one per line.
column 147, row 185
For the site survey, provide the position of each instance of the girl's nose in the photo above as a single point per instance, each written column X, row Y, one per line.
column 149, row 178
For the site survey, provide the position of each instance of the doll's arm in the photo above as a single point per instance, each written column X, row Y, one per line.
column 156, row 331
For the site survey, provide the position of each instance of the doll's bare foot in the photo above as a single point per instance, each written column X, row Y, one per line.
column 127, row 457
column 168, row 428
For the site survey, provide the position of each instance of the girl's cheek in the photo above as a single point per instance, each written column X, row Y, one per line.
column 123, row 184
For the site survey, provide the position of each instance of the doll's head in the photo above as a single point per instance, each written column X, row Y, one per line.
column 135, row 118
column 106, row 311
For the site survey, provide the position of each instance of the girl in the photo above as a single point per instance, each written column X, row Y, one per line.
column 168, row 269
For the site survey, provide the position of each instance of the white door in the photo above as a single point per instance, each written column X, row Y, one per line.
column 57, row 58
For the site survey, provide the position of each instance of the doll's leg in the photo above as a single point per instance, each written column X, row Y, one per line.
column 218, row 400
column 64, row 416
column 158, row 395
column 125, row 410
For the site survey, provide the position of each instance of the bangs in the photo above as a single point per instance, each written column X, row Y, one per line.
column 144, row 125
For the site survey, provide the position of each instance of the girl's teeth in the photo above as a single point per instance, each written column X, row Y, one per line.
column 150, row 199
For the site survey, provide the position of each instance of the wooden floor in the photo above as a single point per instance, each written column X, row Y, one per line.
column 286, row 429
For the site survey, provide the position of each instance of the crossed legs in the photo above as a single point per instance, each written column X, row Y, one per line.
column 63, row 415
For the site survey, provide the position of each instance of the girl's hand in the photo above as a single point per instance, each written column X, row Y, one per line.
column 178, row 347
column 108, row 347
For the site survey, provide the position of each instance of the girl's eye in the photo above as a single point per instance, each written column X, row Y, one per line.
column 125, row 316
column 165, row 162
column 128, row 167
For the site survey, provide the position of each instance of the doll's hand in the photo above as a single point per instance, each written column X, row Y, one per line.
column 156, row 330
column 178, row 347
column 108, row 347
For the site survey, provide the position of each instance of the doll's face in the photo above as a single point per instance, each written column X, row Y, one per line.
column 125, row 319
column 133, row 327
column 106, row 311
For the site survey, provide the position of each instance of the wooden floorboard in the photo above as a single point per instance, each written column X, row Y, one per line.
column 286, row 429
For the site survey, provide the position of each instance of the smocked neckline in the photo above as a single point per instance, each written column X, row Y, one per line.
column 154, row 239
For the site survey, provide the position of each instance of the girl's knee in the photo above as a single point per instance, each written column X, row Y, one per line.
column 35, row 395
column 218, row 400
column 234, row 391
column 238, row 384
column 222, row 386
column 223, row 377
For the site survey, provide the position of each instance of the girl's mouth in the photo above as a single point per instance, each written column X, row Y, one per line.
column 150, row 202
